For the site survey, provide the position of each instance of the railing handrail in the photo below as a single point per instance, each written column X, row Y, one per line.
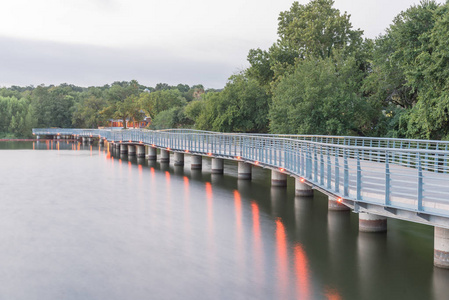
column 272, row 137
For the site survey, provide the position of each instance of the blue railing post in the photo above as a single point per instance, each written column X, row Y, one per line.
column 420, row 184
column 329, row 169
column 359, row 178
column 309, row 163
column 387, row 180
column 337, row 173
column 321, row 167
column 346, row 173
column 315, row 158
column 302, row 162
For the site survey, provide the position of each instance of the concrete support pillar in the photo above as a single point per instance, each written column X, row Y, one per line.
column 90, row 140
column 372, row 223
column 302, row 189
column 196, row 162
column 441, row 248
column 38, row 137
column 131, row 150
column 278, row 178
column 152, row 153
column 101, row 141
column 84, row 139
column 165, row 156
column 244, row 171
column 179, row 159
column 140, row 150
column 58, row 137
column 217, row 166
column 334, row 205
column 123, row 149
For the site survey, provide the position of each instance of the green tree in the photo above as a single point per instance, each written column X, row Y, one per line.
column 430, row 117
column 243, row 106
column 155, row 102
column 395, row 78
column 322, row 97
column 88, row 113
column 128, row 109
column 315, row 29
column 122, row 100
column 53, row 106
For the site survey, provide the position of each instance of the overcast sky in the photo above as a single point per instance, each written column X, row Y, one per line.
column 94, row 42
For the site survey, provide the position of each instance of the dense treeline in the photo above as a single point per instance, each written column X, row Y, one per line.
column 68, row 106
column 320, row 77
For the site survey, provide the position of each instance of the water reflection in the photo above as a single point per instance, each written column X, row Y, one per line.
column 282, row 260
column 187, row 234
column 217, row 178
column 196, row 174
column 278, row 201
column 179, row 170
column 302, row 272
column 165, row 166
column 368, row 246
column 440, row 284
column 258, row 253
column 333, row 294
column 141, row 161
column 210, row 209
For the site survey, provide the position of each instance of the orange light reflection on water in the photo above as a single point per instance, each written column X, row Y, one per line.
column 332, row 294
column 210, row 212
column 282, row 259
column 168, row 203
column 302, row 272
column 239, row 244
column 238, row 211
column 187, row 221
column 139, row 167
column 167, row 177
column 258, row 248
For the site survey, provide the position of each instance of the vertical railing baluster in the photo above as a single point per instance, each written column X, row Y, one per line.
column 309, row 162
column 302, row 163
column 329, row 169
column 321, row 167
column 359, row 178
column 346, row 174
column 337, row 172
column 420, row 184
column 387, row 180
column 315, row 159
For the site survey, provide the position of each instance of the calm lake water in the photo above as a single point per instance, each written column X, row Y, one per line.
column 78, row 223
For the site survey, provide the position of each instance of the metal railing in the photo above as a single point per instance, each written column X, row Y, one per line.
column 404, row 174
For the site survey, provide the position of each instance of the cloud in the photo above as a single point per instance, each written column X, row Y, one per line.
column 25, row 62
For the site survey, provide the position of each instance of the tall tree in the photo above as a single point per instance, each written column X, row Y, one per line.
column 322, row 96
column 430, row 117
column 315, row 29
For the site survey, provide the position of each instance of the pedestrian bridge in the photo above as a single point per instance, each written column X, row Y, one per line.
column 375, row 177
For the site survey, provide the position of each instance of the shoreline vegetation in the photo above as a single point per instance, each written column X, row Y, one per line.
column 321, row 76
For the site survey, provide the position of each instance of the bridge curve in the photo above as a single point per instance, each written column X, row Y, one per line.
column 395, row 178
